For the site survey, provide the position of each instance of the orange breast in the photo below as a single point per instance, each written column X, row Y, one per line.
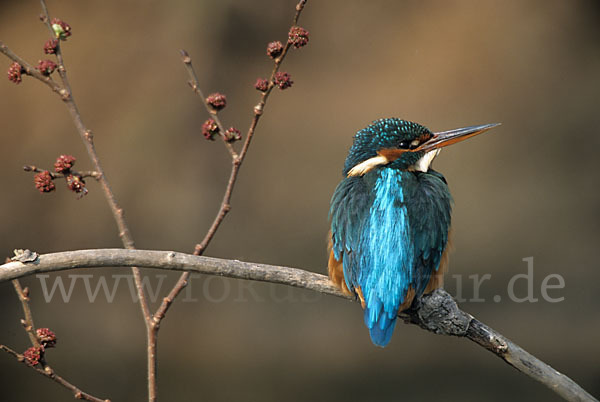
column 336, row 269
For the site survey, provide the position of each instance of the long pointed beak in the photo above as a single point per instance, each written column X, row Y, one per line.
column 446, row 138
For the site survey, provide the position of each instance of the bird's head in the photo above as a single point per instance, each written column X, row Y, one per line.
column 401, row 144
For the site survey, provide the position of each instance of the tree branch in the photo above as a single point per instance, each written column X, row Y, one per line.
column 44, row 369
column 49, row 373
column 152, row 321
column 88, row 140
column 195, row 85
column 30, row 70
column 436, row 312
column 28, row 320
column 236, row 162
column 83, row 174
column 124, row 233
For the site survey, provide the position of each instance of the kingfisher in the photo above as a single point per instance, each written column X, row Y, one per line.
column 390, row 219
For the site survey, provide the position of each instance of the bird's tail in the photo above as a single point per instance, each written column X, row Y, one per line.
column 382, row 328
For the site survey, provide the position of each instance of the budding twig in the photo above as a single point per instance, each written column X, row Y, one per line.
column 40, row 365
column 61, row 30
column 236, row 159
column 48, row 372
column 87, row 138
column 84, row 173
column 193, row 82
column 28, row 320
column 30, row 70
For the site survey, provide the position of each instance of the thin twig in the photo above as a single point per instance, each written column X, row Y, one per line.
column 30, row 70
column 153, row 321
column 117, row 211
column 48, row 372
column 437, row 312
column 223, row 209
column 88, row 140
column 259, row 108
column 181, row 283
column 44, row 368
column 299, row 8
column 194, row 84
column 236, row 160
column 84, row 174
column 28, row 320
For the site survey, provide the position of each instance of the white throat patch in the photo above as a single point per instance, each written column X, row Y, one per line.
column 422, row 165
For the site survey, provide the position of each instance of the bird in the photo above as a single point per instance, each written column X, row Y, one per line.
column 390, row 219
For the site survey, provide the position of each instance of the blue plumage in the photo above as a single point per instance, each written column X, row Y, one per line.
column 389, row 225
column 386, row 249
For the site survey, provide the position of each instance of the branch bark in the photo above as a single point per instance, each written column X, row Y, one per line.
column 436, row 312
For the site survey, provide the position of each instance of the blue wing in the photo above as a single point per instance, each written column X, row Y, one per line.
column 350, row 205
column 429, row 208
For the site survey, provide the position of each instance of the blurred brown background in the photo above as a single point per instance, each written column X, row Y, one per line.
column 528, row 188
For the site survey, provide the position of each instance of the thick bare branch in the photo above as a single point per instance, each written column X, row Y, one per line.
column 436, row 312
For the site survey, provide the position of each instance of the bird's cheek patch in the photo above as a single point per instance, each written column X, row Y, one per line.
column 364, row 167
column 384, row 156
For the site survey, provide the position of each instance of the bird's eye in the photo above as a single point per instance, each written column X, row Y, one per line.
column 410, row 144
